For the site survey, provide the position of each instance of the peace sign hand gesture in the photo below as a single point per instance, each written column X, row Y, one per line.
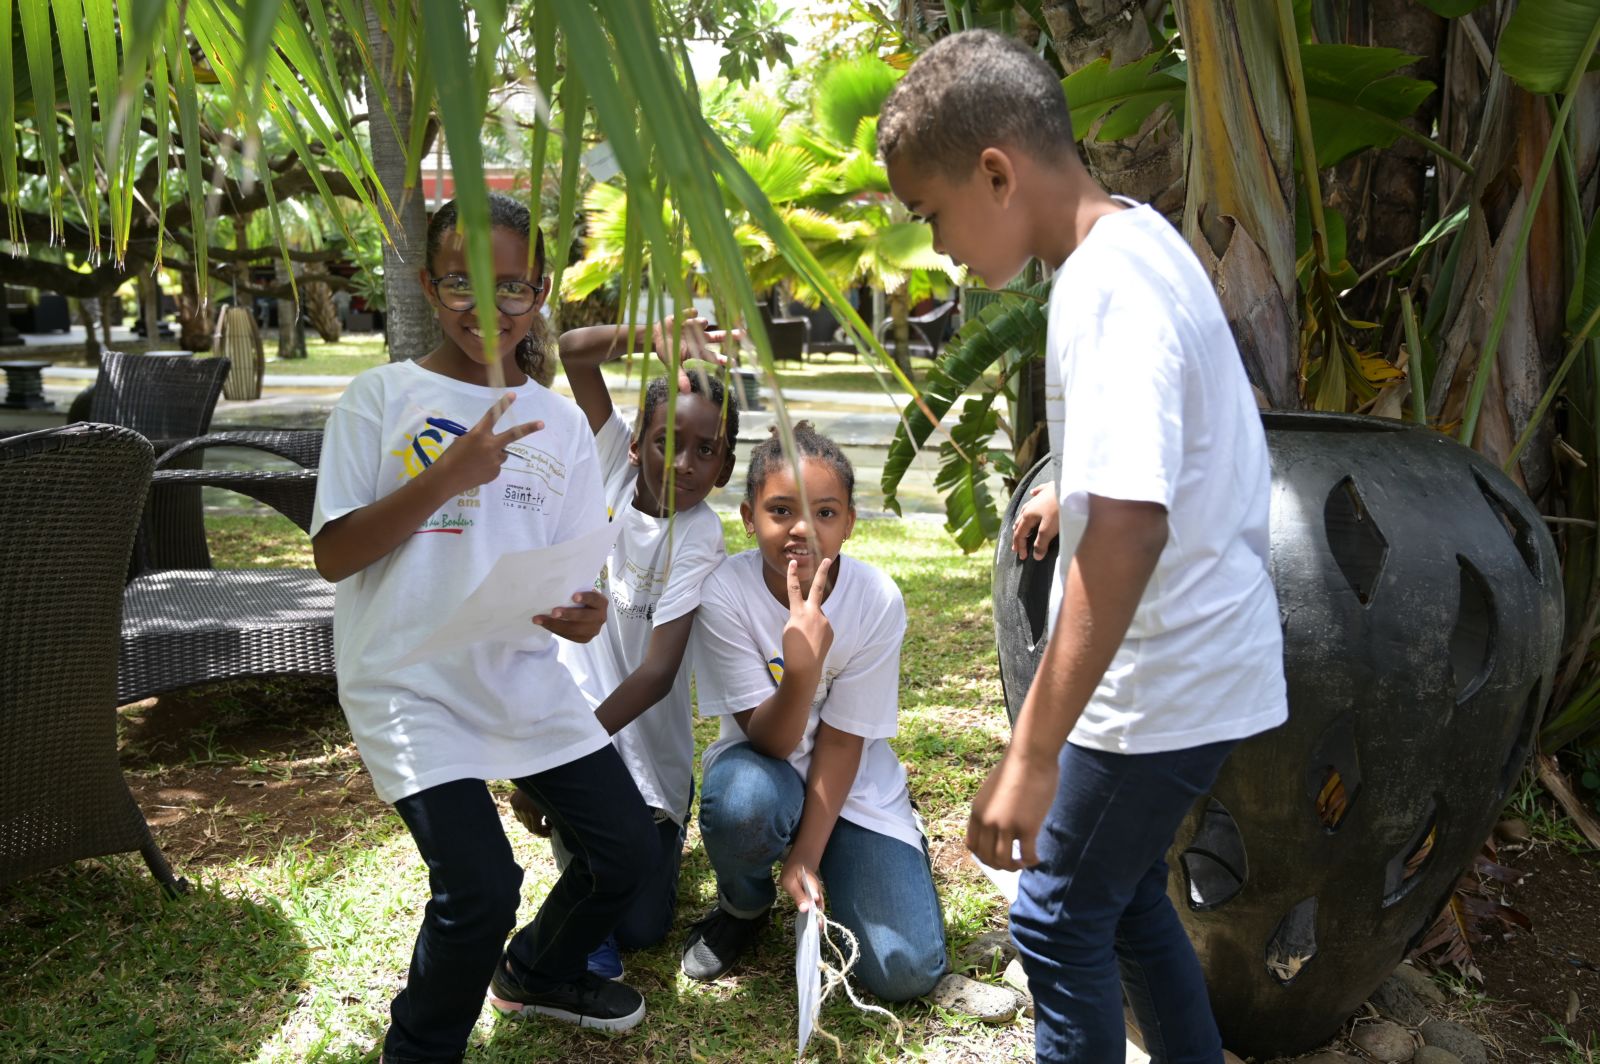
column 476, row 456
column 807, row 635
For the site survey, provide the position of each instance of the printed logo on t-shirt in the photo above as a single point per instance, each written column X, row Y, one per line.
column 775, row 667
column 524, row 497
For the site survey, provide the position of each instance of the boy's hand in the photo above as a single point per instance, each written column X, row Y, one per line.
column 1042, row 511
column 529, row 815
column 694, row 341
column 807, row 635
column 801, row 883
column 579, row 623
column 475, row 458
column 1011, row 807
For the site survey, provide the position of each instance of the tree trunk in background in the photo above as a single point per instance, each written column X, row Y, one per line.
column 1382, row 194
column 150, row 307
column 194, row 318
column 1148, row 166
column 411, row 328
column 1509, row 133
column 108, row 303
column 1239, row 206
column 899, row 311
column 290, row 343
column 91, row 342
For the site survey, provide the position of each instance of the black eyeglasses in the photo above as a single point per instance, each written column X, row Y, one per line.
column 515, row 298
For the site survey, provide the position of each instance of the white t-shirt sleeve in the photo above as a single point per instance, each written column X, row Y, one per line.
column 611, row 445
column 1122, row 425
column 730, row 670
column 352, row 451
column 864, row 698
column 697, row 550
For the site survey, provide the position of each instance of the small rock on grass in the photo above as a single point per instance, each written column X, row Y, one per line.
column 981, row 1001
column 1017, row 979
column 1420, row 983
column 1395, row 1000
column 988, row 951
column 1435, row 1055
column 1384, row 1041
column 1451, row 1036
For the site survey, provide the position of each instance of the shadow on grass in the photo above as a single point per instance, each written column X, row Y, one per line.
column 100, row 965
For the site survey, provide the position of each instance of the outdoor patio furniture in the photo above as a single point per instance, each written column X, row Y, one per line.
column 70, row 500
column 927, row 330
column 25, row 385
column 165, row 399
column 788, row 336
column 188, row 623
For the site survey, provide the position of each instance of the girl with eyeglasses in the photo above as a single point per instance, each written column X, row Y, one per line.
column 420, row 491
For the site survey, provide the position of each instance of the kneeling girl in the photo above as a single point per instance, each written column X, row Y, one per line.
column 797, row 649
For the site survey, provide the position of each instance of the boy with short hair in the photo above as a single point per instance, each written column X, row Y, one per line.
column 1166, row 650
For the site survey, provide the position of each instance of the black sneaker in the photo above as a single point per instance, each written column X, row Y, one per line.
column 717, row 940
column 588, row 1001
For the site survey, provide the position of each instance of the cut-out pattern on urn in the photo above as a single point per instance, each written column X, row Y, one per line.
column 1214, row 863
column 1472, row 639
column 1400, row 873
column 1513, row 522
column 1294, row 942
column 1333, row 778
column 1358, row 547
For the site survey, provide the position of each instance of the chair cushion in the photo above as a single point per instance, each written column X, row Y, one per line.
column 187, row 626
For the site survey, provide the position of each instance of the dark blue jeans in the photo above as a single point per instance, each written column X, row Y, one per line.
column 1092, row 919
column 477, row 886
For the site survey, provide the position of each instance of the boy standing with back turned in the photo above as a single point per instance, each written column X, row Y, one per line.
column 1166, row 649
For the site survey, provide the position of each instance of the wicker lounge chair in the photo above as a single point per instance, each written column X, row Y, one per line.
column 190, row 623
column 69, row 503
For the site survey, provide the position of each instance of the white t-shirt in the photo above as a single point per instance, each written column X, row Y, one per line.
column 1148, row 401
column 495, row 710
column 650, row 580
column 738, row 636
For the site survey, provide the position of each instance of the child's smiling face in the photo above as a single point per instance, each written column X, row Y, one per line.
column 704, row 457
column 782, row 531
column 461, row 327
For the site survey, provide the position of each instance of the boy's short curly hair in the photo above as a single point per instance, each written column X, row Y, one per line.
column 971, row 91
column 701, row 383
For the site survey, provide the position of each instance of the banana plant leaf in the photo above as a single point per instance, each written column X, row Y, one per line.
column 1014, row 323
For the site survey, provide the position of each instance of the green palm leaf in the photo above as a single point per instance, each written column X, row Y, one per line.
column 1125, row 96
column 849, row 93
column 1015, row 322
column 1356, row 100
column 1546, row 39
column 966, row 461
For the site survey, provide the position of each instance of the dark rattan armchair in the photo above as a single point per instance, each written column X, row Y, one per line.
column 69, row 503
column 189, row 623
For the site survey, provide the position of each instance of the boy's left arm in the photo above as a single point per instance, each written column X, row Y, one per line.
column 835, row 757
column 1121, row 544
column 652, row 680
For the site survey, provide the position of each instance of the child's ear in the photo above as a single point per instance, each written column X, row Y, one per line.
column 999, row 174
column 633, row 451
column 727, row 470
column 748, row 515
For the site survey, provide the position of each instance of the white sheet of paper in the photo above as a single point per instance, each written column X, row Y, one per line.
column 1004, row 879
column 808, row 971
column 518, row 587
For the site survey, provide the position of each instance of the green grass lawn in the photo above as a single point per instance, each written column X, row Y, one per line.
column 308, row 890
column 349, row 356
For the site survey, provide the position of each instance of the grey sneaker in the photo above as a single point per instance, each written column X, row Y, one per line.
column 587, row 1001
column 717, row 940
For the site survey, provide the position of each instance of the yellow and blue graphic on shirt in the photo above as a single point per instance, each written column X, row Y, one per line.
column 775, row 667
column 423, row 448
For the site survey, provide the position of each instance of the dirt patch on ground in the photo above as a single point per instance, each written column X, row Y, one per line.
column 1551, row 975
column 229, row 769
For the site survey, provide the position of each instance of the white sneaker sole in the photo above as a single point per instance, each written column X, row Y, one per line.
column 577, row 1019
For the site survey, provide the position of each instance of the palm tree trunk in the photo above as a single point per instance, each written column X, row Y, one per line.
column 91, row 342
column 412, row 330
column 899, row 311
column 290, row 343
column 1239, row 208
column 1149, row 165
column 150, row 306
